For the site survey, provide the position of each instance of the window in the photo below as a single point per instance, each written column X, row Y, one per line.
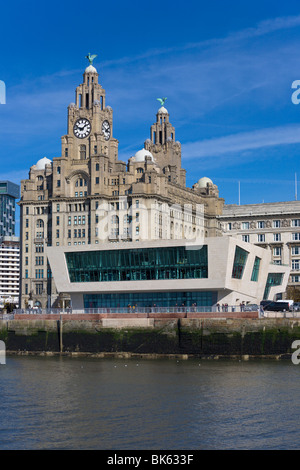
column 274, row 279
column 97, row 179
column 246, row 238
column 39, row 273
column 277, row 237
column 295, row 264
column 296, row 236
column 57, row 220
column 82, row 152
column 75, row 219
column 245, row 225
column 69, row 220
column 295, row 278
column 239, row 262
column 26, row 289
column 57, row 233
column 261, row 224
column 137, row 264
column 39, row 260
column 39, row 289
column 255, row 271
column 26, row 273
column 58, row 183
column 261, row 238
column 296, row 223
column 69, row 233
column 229, row 226
column 277, row 251
column 276, row 223
column 295, row 250
column 95, row 151
column 137, row 203
column 97, row 165
column 27, row 210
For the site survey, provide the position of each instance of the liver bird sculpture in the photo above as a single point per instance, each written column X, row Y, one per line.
column 161, row 100
column 90, row 58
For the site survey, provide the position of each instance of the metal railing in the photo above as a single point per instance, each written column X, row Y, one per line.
column 136, row 309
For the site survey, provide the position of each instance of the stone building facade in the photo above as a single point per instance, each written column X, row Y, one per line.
column 88, row 196
column 274, row 226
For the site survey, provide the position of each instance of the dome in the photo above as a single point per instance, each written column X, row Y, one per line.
column 90, row 69
column 142, row 154
column 202, row 182
column 163, row 110
column 41, row 164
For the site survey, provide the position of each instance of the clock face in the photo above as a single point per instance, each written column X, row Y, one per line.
column 82, row 128
column 106, row 130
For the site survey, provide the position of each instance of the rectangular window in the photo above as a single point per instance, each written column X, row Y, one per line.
column 58, row 170
column 57, row 207
column 38, row 289
column 295, row 264
column 97, row 165
column 229, row 226
column 295, row 250
column 276, row 223
column 245, row 225
column 277, row 251
column 296, row 236
column 58, row 183
column 296, row 223
column 26, row 289
column 255, row 271
column 261, row 237
column 57, row 220
column 97, row 180
column 239, row 262
column 69, row 220
column 246, row 238
column 261, row 224
column 277, row 237
column 295, row 278
column 57, row 233
column 39, row 273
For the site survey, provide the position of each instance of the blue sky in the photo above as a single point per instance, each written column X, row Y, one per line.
column 226, row 68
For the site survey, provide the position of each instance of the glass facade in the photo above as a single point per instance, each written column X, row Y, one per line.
column 150, row 299
column 138, row 264
column 255, row 271
column 274, row 279
column 239, row 262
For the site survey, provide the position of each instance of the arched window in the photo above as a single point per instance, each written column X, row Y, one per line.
column 40, row 223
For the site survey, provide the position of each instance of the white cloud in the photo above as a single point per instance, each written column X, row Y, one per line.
column 243, row 141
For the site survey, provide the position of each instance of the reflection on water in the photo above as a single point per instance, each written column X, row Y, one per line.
column 84, row 403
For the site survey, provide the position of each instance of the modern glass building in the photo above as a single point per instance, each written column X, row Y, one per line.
column 165, row 273
column 9, row 192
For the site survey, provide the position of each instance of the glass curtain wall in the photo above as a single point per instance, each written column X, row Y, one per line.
column 138, row 264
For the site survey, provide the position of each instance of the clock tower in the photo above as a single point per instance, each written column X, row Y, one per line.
column 90, row 122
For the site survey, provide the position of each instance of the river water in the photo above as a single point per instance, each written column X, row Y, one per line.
column 162, row 404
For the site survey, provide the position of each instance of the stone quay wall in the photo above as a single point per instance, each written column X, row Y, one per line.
column 105, row 334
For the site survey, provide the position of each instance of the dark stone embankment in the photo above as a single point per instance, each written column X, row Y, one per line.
column 140, row 336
